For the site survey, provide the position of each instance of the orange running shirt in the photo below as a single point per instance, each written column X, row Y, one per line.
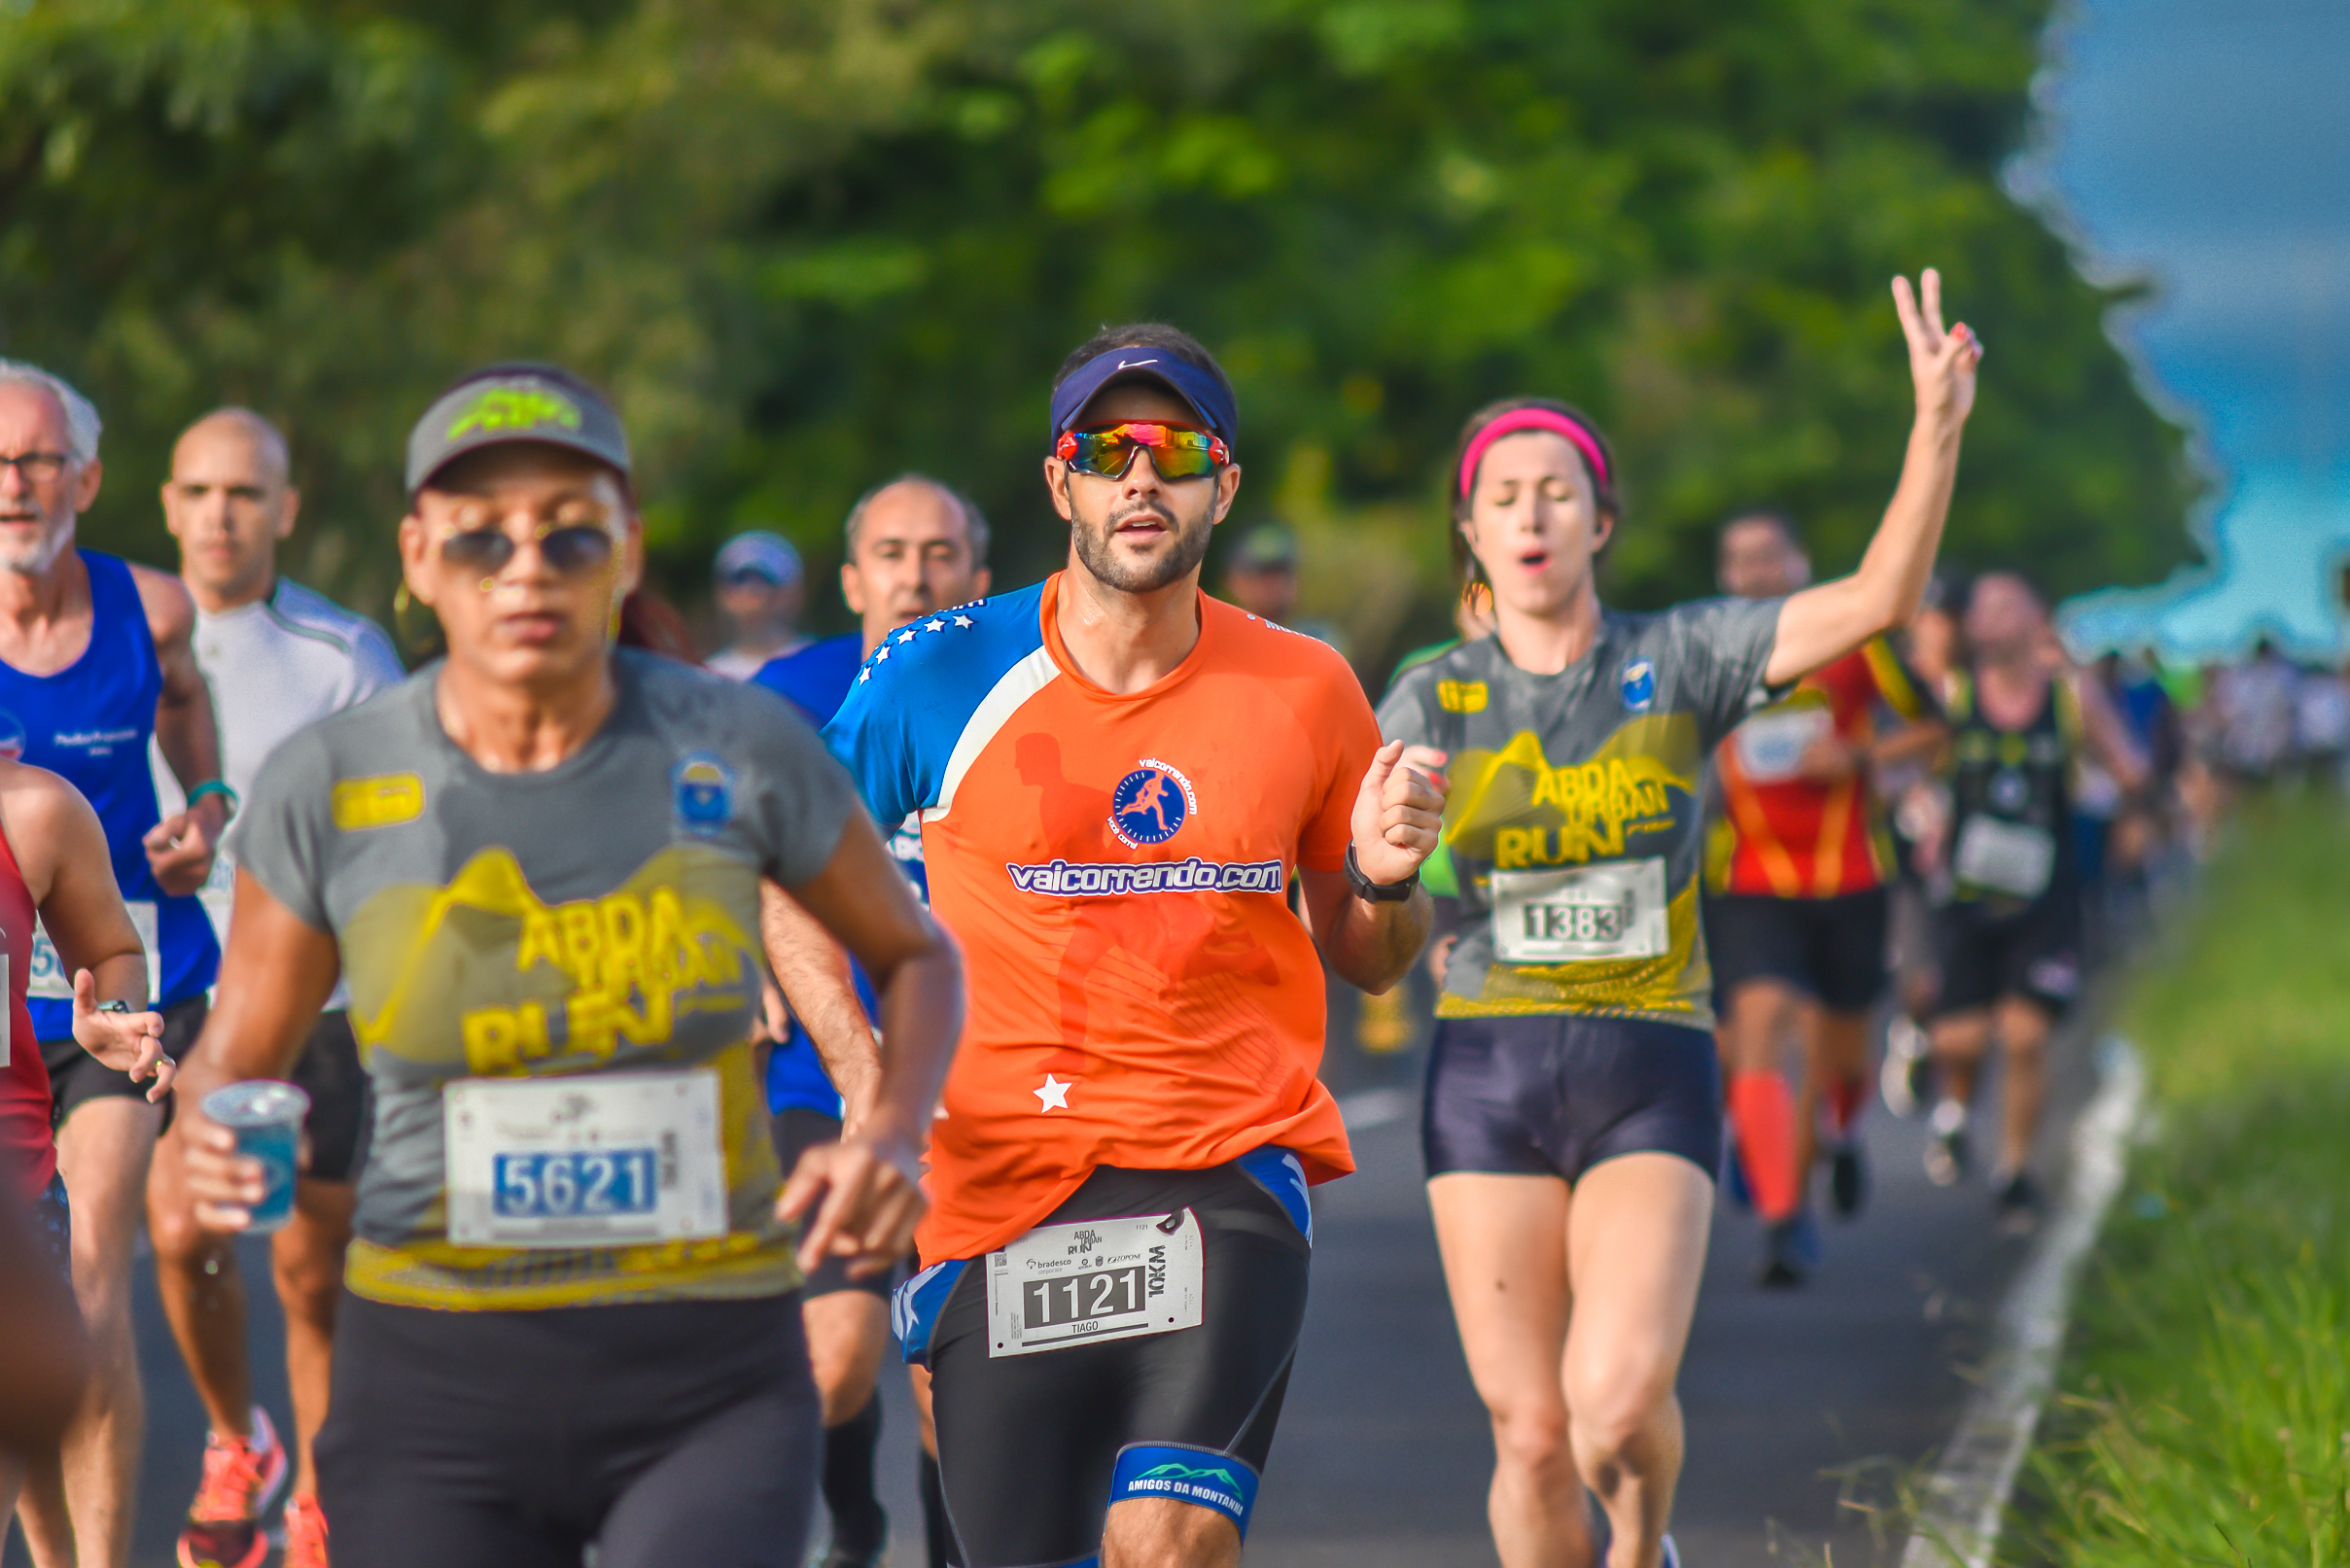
column 1786, row 836
column 1115, row 867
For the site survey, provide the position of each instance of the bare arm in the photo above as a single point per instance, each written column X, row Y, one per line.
column 812, row 971
column 2108, row 739
column 1828, row 621
column 69, row 872
column 1397, row 814
column 868, row 1182
column 276, row 975
column 180, row 847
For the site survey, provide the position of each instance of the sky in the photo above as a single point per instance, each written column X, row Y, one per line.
column 2204, row 146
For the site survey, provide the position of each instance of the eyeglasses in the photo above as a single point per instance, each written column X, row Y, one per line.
column 1176, row 451
column 37, row 468
column 568, row 551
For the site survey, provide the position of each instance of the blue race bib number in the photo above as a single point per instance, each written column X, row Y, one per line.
column 574, row 1184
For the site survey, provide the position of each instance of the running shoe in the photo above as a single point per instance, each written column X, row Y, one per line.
column 305, row 1533
column 2018, row 1203
column 1903, row 1081
column 1791, row 1250
column 1847, row 1179
column 242, row 1476
column 1946, row 1144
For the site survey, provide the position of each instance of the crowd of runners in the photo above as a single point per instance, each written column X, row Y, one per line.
column 680, row 1042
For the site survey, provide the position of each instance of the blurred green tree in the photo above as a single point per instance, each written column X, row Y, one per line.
column 810, row 244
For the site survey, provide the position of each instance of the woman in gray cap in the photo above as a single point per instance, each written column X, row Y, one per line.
column 572, row 1313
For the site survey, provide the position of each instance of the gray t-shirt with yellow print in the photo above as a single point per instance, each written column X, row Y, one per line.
column 595, row 920
column 1575, row 819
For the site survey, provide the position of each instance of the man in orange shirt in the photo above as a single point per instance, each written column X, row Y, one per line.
column 1116, row 774
column 1796, row 902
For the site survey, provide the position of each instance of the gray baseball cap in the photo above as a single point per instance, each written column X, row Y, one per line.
column 516, row 402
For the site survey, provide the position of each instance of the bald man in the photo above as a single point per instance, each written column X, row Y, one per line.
column 278, row 658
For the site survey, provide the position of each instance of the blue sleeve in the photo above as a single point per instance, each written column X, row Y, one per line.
column 912, row 700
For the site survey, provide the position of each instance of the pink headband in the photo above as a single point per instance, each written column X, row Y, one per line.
column 1521, row 419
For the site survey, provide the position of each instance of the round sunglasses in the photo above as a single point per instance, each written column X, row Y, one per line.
column 569, row 550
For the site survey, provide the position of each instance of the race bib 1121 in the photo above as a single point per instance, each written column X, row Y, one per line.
column 1094, row 1280
column 607, row 1160
column 1613, row 909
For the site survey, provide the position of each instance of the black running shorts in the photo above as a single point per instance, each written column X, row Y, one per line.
column 665, row 1433
column 796, row 1130
column 1555, row 1094
column 2033, row 952
column 1832, row 950
column 76, row 1077
column 1033, row 1449
column 329, row 1072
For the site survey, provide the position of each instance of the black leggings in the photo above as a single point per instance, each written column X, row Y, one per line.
column 1029, row 1445
column 666, row 1433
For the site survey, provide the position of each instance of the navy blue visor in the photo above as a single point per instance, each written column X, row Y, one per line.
column 1202, row 392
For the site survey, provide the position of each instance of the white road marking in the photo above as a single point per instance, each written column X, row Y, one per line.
column 1374, row 1107
column 1958, row 1524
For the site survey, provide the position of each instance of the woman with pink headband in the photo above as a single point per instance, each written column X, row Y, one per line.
column 1574, row 1119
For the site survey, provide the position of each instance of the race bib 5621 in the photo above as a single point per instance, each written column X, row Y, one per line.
column 613, row 1159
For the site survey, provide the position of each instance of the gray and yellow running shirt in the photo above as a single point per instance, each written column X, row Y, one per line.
column 553, row 980
column 1575, row 819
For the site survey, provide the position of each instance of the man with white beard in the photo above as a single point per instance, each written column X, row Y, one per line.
column 95, row 657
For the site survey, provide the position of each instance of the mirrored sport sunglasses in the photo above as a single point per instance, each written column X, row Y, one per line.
column 1176, row 451
column 569, row 550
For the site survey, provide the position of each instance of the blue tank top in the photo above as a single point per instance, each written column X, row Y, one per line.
column 90, row 724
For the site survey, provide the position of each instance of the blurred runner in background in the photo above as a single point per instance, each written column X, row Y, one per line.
column 1261, row 577
column 2321, row 725
column 54, row 867
column 1796, row 904
column 2009, row 935
column 2253, row 704
column 913, row 547
column 98, row 660
column 1574, row 1119
column 760, row 593
column 278, row 658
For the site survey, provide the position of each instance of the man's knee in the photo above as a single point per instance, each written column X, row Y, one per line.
column 308, row 1279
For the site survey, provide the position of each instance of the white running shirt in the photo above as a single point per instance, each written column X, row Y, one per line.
column 275, row 667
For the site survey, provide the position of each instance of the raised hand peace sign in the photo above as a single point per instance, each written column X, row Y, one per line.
column 1942, row 363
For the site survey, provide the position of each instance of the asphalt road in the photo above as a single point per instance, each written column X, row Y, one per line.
column 1807, row 1409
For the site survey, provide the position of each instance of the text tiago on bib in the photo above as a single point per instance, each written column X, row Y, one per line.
column 534, row 987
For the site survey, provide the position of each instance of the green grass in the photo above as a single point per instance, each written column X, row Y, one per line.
column 2204, row 1405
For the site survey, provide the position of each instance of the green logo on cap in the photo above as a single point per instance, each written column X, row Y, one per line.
column 505, row 408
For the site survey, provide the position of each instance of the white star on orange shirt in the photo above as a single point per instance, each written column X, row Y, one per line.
column 1054, row 1096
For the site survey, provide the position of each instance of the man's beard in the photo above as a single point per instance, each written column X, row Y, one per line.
column 31, row 560
column 1096, row 552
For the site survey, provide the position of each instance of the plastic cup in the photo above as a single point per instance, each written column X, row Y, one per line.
column 267, row 1117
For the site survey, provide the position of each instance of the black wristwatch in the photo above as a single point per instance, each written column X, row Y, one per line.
column 1377, row 893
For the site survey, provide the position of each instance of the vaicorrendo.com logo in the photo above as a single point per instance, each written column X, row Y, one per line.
column 1064, row 878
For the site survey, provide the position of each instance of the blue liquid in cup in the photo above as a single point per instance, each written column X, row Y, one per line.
column 267, row 1117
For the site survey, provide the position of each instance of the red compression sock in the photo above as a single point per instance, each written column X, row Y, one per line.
column 1763, row 1110
column 1845, row 1097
